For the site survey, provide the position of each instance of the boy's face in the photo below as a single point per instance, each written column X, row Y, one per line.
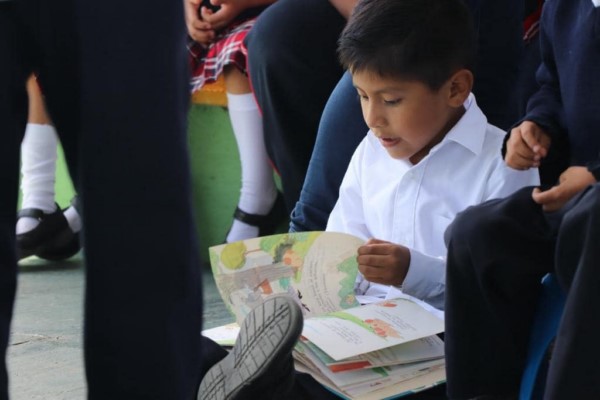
column 407, row 116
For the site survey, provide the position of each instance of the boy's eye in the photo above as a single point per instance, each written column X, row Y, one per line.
column 392, row 102
column 362, row 97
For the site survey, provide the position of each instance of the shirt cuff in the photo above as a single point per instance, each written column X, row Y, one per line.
column 426, row 278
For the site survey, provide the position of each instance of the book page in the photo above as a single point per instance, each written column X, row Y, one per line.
column 225, row 335
column 428, row 348
column 397, row 390
column 371, row 327
column 318, row 269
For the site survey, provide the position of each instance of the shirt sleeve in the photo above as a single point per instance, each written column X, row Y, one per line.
column 504, row 180
column 545, row 106
column 426, row 278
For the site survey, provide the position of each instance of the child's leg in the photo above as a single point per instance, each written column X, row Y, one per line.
column 574, row 367
column 498, row 252
column 38, row 160
column 258, row 192
column 56, row 235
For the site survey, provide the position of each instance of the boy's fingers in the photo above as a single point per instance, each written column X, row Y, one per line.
column 519, row 162
column 372, row 274
column 382, row 248
column 376, row 261
column 531, row 139
column 549, row 198
column 535, row 138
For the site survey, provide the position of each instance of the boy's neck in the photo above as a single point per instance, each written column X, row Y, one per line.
column 453, row 119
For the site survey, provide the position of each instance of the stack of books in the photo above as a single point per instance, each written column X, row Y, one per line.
column 382, row 350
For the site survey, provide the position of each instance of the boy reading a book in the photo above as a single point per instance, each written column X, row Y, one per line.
column 429, row 154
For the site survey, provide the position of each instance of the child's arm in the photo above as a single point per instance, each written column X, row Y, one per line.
column 383, row 262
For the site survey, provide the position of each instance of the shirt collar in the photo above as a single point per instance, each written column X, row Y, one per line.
column 596, row 3
column 469, row 131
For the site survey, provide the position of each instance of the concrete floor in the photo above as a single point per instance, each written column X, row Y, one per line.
column 45, row 358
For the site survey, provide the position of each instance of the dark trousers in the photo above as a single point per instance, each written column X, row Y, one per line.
column 499, row 29
column 341, row 130
column 497, row 254
column 114, row 75
column 293, row 68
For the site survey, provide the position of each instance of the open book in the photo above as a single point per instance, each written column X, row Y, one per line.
column 382, row 349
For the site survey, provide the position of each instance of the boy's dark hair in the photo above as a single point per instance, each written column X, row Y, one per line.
column 422, row 40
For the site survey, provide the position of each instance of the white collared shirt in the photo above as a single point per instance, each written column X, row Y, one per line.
column 393, row 200
column 596, row 3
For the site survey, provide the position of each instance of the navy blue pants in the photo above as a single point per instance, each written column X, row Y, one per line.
column 497, row 254
column 341, row 129
column 293, row 68
column 114, row 75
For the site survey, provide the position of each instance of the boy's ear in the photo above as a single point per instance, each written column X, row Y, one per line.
column 461, row 83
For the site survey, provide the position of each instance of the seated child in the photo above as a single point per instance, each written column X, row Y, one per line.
column 216, row 47
column 493, row 292
column 430, row 153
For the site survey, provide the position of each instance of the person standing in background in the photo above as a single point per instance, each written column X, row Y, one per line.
column 123, row 129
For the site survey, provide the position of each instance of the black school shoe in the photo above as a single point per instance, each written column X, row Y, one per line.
column 266, row 224
column 51, row 240
column 62, row 246
column 50, row 224
column 260, row 365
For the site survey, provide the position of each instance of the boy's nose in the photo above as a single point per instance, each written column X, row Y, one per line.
column 373, row 117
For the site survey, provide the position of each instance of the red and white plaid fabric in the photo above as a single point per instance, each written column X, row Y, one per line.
column 207, row 63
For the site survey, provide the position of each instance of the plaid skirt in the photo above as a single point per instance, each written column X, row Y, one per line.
column 207, row 62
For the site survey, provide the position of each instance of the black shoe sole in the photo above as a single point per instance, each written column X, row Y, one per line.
column 261, row 353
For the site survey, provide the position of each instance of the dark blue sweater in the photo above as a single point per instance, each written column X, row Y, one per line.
column 568, row 101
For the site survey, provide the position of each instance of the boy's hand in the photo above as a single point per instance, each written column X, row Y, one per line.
column 383, row 262
column 572, row 181
column 199, row 30
column 527, row 145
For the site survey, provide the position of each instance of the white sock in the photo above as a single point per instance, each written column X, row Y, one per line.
column 258, row 191
column 38, row 170
column 73, row 219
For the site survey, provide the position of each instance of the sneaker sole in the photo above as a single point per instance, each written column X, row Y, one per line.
column 269, row 332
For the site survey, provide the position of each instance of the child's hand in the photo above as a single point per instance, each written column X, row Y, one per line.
column 383, row 262
column 526, row 147
column 572, row 181
column 200, row 31
column 227, row 13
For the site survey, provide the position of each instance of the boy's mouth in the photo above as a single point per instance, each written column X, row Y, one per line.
column 389, row 141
